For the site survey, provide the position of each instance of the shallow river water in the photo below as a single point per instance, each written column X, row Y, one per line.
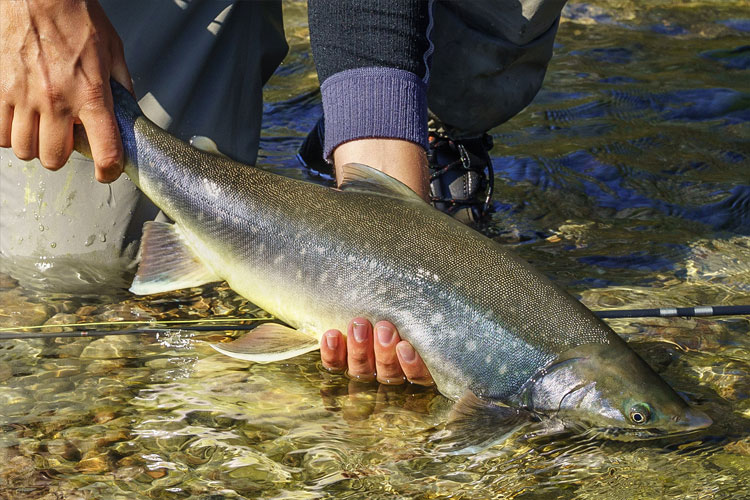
column 626, row 181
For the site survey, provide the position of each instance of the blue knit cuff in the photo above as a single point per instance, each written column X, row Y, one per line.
column 374, row 102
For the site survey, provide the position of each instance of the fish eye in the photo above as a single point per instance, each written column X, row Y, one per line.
column 640, row 413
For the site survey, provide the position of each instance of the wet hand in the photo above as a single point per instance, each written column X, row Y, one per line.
column 368, row 353
column 57, row 57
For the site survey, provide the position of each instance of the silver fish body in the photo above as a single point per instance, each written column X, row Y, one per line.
column 482, row 319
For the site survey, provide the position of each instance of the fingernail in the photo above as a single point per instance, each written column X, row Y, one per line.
column 332, row 340
column 385, row 335
column 360, row 332
column 406, row 351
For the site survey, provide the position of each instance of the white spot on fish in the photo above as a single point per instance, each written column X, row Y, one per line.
column 302, row 251
column 502, row 370
column 278, row 260
column 488, row 359
column 323, row 277
column 211, row 188
column 471, row 345
column 437, row 318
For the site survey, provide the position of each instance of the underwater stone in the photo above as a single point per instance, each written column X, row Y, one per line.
column 17, row 310
column 739, row 447
column 93, row 462
column 5, row 371
column 61, row 319
column 111, row 348
column 64, row 449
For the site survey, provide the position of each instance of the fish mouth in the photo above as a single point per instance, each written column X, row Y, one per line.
column 691, row 421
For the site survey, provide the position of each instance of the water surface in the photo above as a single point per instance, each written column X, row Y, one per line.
column 626, row 181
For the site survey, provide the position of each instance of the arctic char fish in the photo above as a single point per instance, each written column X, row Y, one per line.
column 491, row 329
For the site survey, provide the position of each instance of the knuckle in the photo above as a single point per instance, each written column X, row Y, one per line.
column 389, row 369
column 92, row 94
column 108, row 161
column 53, row 96
column 359, row 358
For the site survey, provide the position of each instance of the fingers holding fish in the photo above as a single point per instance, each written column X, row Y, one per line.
column 387, row 366
column 333, row 351
column 6, row 118
column 24, row 133
column 411, row 362
column 55, row 139
column 359, row 349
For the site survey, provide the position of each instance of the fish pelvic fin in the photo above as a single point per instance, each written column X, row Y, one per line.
column 167, row 263
column 475, row 424
column 358, row 177
column 267, row 343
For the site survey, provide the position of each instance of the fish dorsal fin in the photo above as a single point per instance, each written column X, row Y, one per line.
column 269, row 342
column 358, row 177
column 166, row 262
column 206, row 144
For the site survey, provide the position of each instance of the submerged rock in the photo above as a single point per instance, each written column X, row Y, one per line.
column 18, row 310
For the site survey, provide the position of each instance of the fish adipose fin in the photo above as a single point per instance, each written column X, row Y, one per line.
column 269, row 342
column 358, row 177
column 475, row 424
column 167, row 263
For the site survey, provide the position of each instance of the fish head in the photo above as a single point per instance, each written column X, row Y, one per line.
column 607, row 390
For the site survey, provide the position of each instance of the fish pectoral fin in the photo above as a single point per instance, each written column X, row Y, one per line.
column 166, row 262
column 358, row 177
column 475, row 424
column 269, row 342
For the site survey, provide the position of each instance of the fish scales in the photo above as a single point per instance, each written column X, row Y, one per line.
column 484, row 321
column 406, row 262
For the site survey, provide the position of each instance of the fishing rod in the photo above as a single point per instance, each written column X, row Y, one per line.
column 131, row 331
column 7, row 334
column 670, row 312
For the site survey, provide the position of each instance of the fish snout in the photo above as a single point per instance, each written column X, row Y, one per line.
column 694, row 420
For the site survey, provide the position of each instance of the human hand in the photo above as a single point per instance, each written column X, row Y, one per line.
column 57, row 57
column 364, row 356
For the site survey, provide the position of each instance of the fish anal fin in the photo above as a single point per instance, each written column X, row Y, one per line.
column 358, row 177
column 167, row 263
column 267, row 343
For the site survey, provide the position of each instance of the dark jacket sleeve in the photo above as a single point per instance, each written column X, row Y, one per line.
column 372, row 58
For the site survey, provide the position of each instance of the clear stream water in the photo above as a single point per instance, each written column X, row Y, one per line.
column 626, row 181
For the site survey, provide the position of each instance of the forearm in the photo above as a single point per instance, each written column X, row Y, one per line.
column 371, row 58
